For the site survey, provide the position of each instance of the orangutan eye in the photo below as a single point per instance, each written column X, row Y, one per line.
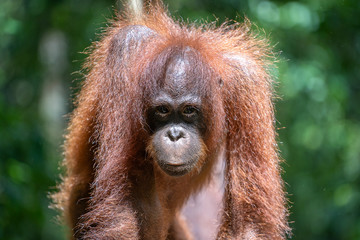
column 162, row 110
column 189, row 110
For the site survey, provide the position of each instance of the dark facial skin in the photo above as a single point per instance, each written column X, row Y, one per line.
column 176, row 121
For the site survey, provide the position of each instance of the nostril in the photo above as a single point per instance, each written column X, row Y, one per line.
column 175, row 134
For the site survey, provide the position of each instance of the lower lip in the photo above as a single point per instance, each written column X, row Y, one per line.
column 176, row 165
column 176, row 169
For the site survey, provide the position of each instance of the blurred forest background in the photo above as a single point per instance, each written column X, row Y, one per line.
column 318, row 43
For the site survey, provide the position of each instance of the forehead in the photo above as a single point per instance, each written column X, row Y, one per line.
column 164, row 98
column 183, row 74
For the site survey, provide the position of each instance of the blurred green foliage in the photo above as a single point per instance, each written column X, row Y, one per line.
column 318, row 114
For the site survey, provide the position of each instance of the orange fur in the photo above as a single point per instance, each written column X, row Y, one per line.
column 112, row 189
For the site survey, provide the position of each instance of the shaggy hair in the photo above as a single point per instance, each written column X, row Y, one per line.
column 107, row 158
